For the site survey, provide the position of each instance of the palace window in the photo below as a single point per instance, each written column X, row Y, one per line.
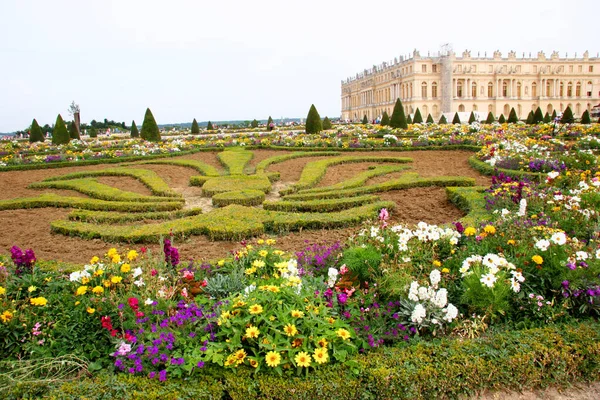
column 570, row 68
column 424, row 68
column 578, row 89
column 434, row 90
column 490, row 89
column 534, row 89
column 518, row 89
column 474, row 90
column 569, row 89
column 459, row 89
column 504, row 89
column 591, row 69
column 561, row 90
column 580, row 68
column 461, row 108
column 548, row 87
column 424, row 90
column 434, row 68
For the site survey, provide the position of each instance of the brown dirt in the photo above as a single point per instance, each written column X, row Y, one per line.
column 31, row 228
column 582, row 391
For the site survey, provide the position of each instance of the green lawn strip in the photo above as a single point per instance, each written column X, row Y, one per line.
column 487, row 169
column 244, row 197
column 264, row 164
column 314, row 171
column 228, row 183
column 406, row 181
column 54, row 200
column 116, row 217
column 149, row 178
column 202, row 167
column 327, row 205
column 360, row 178
column 235, row 160
column 233, row 222
column 97, row 190
column 470, row 200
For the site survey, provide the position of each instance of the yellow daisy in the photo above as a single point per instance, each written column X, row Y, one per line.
column 303, row 359
column 273, row 359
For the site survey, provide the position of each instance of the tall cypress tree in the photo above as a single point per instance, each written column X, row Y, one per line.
column 254, row 124
column 209, row 126
column 398, row 119
column 490, row 118
column 418, row 119
column 73, row 132
column 502, row 120
column 313, row 120
column 456, row 119
column 409, row 120
column 35, row 133
column 134, row 130
column 327, row 124
column 365, row 120
column 385, row 119
column 567, row 117
column 538, row 116
column 195, row 127
column 150, row 130
column 429, row 119
column 60, row 135
column 443, row 120
column 530, row 117
column 554, row 115
column 472, row 117
column 512, row 117
column 585, row 117
column 547, row 118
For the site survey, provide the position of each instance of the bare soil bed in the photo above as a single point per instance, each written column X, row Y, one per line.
column 31, row 228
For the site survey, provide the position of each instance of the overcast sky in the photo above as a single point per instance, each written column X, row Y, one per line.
column 226, row 60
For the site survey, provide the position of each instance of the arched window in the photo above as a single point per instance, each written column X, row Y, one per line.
column 519, row 89
column 533, row 90
column 490, row 89
column 569, row 89
column 425, row 111
column 459, row 89
column 434, row 90
column 474, row 90
column 461, row 108
column 424, row 90
column 534, row 107
column 578, row 89
column 561, row 90
column 548, row 88
column 504, row 89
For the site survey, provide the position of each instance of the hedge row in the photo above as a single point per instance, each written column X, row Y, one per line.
column 100, row 217
column 54, row 200
column 235, row 160
column 487, row 169
column 222, row 184
column 264, row 164
column 245, row 197
column 149, row 178
column 406, row 181
column 471, row 200
column 233, row 222
column 443, row 368
column 467, row 147
column 97, row 190
column 319, row 205
column 202, row 167
column 314, row 171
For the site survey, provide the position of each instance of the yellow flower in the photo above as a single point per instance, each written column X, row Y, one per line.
column 273, row 359
column 253, row 363
column 290, row 329
column 94, row 260
column 303, row 359
column 252, row 332
column 77, row 303
column 106, row 283
column 489, row 229
column 255, row 309
column 239, row 303
column 116, row 279
column 249, row 247
column 31, row 289
column 6, row 316
column 445, row 270
column 132, row 255
column 240, row 355
column 116, row 258
column 470, row 231
column 81, row 290
column 263, row 253
column 297, row 314
column 2, row 291
column 323, row 343
column 272, row 318
column 279, row 252
column 91, row 310
column 260, row 241
column 321, row 355
column 85, row 280
column 98, row 290
column 258, row 263
column 220, row 263
column 99, row 272
column 250, row 271
column 38, row 301
column 331, row 320
column 511, row 242
column 294, row 281
column 125, row 268
column 436, row 263
column 537, row 259
column 270, row 242
column 343, row 333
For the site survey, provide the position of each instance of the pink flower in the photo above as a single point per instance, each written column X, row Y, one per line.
column 153, row 272
column 184, row 292
column 189, row 275
column 384, row 215
column 343, row 268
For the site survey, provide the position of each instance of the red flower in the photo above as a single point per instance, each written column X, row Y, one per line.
column 133, row 303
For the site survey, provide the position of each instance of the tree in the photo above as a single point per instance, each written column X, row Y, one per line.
column 35, row 133
column 385, row 119
column 547, row 118
column 443, row 120
column 567, row 117
column 512, row 117
column 585, row 118
column 150, row 130
column 94, row 132
column 398, row 119
column 327, row 124
column 313, row 120
column 429, row 119
column 365, row 120
column 502, row 120
column 472, row 118
column 530, row 118
column 270, row 124
column 60, row 134
column 254, row 124
column 456, row 119
column 490, row 118
column 553, row 115
column 73, row 134
column 538, row 116
column 195, row 127
column 409, row 120
column 134, row 130
column 209, row 126
column 418, row 119
column 74, row 110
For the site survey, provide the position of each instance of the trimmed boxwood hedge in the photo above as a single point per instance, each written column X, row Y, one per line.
column 235, row 160
column 264, row 164
column 470, row 200
column 487, row 169
column 116, row 217
column 202, row 167
column 320, row 205
column 244, row 197
column 222, row 184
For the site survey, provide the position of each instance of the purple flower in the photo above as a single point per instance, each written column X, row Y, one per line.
column 565, row 284
column 162, row 375
column 151, row 375
column 342, row 298
column 200, row 364
column 571, row 266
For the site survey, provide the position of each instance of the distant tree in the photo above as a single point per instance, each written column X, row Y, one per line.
column 313, row 121
column 385, row 119
column 94, row 132
column 567, row 117
column 270, row 124
column 35, row 133
column 195, row 127
column 554, row 115
column 490, row 118
column 538, row 116
column 398, row 119
column 512, row 117
column 418, row 119
column 547, row 118
column 443, row 120
column 456, row 119
column 430, row 119
column 150, row 130
column 73, row 133
column 327, row 124
column 530, row 118
column 585, row 118
column 502, row 120
column 134, row 130
column 60, row 134
column 254, row 124
column 409, row 120
column 365, row 120
column 209, row 126
column 472, row 118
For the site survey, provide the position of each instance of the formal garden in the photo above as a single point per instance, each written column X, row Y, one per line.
column 360, row 261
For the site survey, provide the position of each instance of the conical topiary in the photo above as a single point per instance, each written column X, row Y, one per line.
column 150, row 130
column 254, row 124
column 313, row 120
column 398, row 119
column 456, row 119
column 490, row 118
column 209, row 126
column 73, row 133
column 429, row 119
column 443, row 120
column 418, row 119
column 94, row 132
column 585, row 118
column 60, row 135
column 567, row 117
column 512, row 117
column 134, row 130
column 195, row 127
column 385, row 119
column 547, row 118
column 472, row 118
column 35, row 133
column 502, row 120
column 554, row 115
column 538, row 116
column 327, row 124
column 365, row 120
column 530, row 117
column 409, row 120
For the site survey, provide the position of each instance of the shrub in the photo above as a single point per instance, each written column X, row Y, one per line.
column 585, row 118
column 244, row 197
column 443, row 120
column 327, row 124
column 60, row 135
column 530, row 117
column 209, row 126
column 254, row 124
column 472, row 118
column 313, row 121
column 73, row 132
column 363, row 263
column 409, row 120
column 270, row 124
column 35, row 133
column 538, row 117
column 365, row 120
column 567, row 117
column 547, row 118
column 490, row 118
column 512, row 117
column 385, row 119
column 456, row 119
column 134, row 130
column 501, row 119
column 429, row 119
column 418, row 119
column 398, row 119
column 150, row 130
column 94, row 132
column 195, row 127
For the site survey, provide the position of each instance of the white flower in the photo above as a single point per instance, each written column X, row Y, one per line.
column 559, row 238
column 136, row 272
column 139, row 282
column 518, row 276
column 516, row 286
column 413, row 292
column 249, row 289
column 441, row 298
column 553, row 174
column 542, row 244
column 598, row 253
column 488, row 280
column 332, row 275
column 581, row 255
column 149, row 302
column 435, row 277
column 123, row 349
column 423, row 293
column 418, row 314
column 451, row 313
column 522, row 208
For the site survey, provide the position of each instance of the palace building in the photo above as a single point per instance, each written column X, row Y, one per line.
column 445, row 83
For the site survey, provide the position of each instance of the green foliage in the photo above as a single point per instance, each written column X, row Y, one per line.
column 487, row 169
column 547, row 118
column 150, row 130
column 254, row 124
column 94, row 133
column 364, row 120
column 228, row 183
column 430, row 119
column 195, row 127
column 567, row 117
column 538, row 117
column 73, row 132
column 270, row 124
column 327, row 124
column 360, row 178
column 60, row 135
column 134, row 130
column 398, row 119
column 221, row 286
column 101, row 217
column 409, row 120
column 244, row 197
column 456, row 119
column 490, row 118
column 209, row 126
column 385, row 119
column 530, row 117
column 235, row 160
column 471, row 200
column 512, row 117
column 363, row 262
column 472, row 118
column 418, row 119
column 501, row 119
column 554, row 114
column 203, row 168
column 585, row 117
column 35, row 133
column 264, row 164
column 313, row 121
column 320, row 205
column 443, row 120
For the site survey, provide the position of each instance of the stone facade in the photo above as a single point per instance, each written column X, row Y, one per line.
column 445, row 83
